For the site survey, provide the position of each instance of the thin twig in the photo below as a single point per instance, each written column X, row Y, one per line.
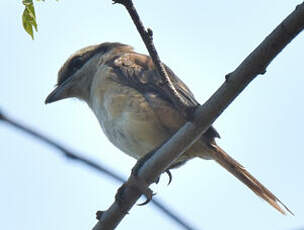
column 91, row 164
column 206, row 114
column 147, row 37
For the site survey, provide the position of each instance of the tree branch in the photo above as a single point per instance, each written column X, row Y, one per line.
column 147, row 37
column 91, row 164
column 206, row 114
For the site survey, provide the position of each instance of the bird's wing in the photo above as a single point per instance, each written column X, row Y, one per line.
column 138, row 71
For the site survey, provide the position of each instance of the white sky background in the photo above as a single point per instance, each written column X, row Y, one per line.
column 201, row 41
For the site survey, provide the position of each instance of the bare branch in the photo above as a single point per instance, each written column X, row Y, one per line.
column 206, row 114
column 91, row 164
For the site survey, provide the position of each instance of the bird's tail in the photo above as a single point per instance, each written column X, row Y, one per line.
column 243, row 175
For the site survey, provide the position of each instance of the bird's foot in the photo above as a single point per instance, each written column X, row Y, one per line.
column 141, row 162
column 137, row 184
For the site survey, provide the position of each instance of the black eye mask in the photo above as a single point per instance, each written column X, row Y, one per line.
column 76, row 62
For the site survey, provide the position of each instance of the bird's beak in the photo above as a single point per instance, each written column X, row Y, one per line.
column 60, row 92
column 55, row 95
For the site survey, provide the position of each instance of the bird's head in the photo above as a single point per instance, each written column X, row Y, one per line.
column 76, row 74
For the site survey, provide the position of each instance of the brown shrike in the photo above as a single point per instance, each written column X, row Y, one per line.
column 121, row 88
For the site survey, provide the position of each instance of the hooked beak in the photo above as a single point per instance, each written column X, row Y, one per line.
column 55, row 95
column 60, row 92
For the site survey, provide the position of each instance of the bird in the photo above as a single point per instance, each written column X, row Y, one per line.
column 122, row 88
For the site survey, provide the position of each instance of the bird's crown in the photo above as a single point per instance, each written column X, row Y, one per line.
column 78, row 59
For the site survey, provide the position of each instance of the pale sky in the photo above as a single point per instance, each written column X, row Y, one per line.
column 201, row 41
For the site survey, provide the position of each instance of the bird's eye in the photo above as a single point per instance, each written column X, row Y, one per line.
column 76, row 63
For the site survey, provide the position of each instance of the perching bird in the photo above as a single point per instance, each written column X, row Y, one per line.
column 122, row 89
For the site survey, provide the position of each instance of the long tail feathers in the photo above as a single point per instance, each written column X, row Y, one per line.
column 243, row 175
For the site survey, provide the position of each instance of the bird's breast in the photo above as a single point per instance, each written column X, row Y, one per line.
column 127, row 119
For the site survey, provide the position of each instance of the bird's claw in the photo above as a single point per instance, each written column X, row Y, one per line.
column 137, row 184
column 148, row 197
column 169, row 175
